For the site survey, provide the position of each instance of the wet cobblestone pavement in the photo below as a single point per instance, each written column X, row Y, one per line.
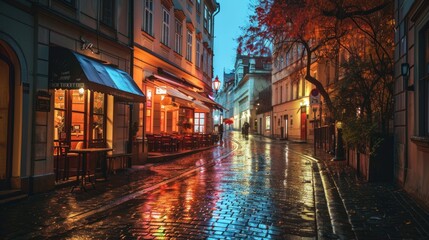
column 254, row 188
column 246, row 195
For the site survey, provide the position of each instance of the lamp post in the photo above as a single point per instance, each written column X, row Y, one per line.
column 216, row 84
column 339, row 147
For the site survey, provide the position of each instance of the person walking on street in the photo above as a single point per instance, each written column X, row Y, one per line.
column 220, row 130
column 246, row 127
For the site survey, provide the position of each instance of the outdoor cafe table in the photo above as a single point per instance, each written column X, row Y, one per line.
column 83, row 159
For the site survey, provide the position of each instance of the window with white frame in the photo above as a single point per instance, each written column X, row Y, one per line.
column 148, row 17
column 165, row 27
column 178, row 37
column 199, row 119
column 189, row 45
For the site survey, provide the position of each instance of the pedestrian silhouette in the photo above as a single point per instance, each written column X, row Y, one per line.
column 220, row 131
column 245, row 130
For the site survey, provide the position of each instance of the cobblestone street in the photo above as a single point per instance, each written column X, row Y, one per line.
column 254, row 188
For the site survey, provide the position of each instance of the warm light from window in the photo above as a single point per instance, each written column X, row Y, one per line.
column 81, row 91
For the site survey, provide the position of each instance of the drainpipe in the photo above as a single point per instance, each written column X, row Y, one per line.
column 212, row 27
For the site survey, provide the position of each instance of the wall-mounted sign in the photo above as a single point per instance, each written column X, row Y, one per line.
column 314, row 97
column 160, row 90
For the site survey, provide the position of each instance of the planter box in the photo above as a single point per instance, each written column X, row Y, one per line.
column 376, row 167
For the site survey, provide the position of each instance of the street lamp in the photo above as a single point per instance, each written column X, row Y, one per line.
column 339, row 147
column 216, row 84
column 405, row 72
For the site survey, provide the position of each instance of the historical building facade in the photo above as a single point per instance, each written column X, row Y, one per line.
column 411, row 122
column 293, row 116
column 241, row 88
column 82, row 74
column 173, row 58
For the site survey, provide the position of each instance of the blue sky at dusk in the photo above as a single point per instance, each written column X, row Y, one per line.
column 233, row 15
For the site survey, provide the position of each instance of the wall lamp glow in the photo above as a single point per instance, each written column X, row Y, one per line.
column 405, row 73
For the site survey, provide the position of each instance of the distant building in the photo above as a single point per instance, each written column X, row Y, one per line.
column 241, row 89
column 292, row 114
column 252, row 75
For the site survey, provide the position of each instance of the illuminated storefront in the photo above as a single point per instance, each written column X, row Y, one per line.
column 93, row 101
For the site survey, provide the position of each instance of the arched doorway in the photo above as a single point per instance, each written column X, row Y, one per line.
column 6, row 120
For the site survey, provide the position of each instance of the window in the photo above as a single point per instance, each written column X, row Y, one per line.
column 206, row 17
column 281, row 94
column 267, row 122
column 98, row 111
column 198, row 6
column 199, row 119
column 148, row 17
column 198, row 54
column 424, row 82
column 189, row 46
column 178, row 37
column 60, row 115
column 80, row 116
column 107, row 12
column 149, row 93
column 165, row 26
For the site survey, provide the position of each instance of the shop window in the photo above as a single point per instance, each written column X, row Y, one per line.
column 60, row 115
column 186, row 120
column 199, row 125
column 98, row 120
column 78, row 115
column 149, row 93
column 73, row 124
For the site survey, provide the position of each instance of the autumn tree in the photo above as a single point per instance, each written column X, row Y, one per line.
column 324, row 29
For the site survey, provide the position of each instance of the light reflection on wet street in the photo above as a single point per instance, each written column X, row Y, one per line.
column 263, row 191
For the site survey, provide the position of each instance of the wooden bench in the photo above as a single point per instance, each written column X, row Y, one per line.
column 123, row 158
